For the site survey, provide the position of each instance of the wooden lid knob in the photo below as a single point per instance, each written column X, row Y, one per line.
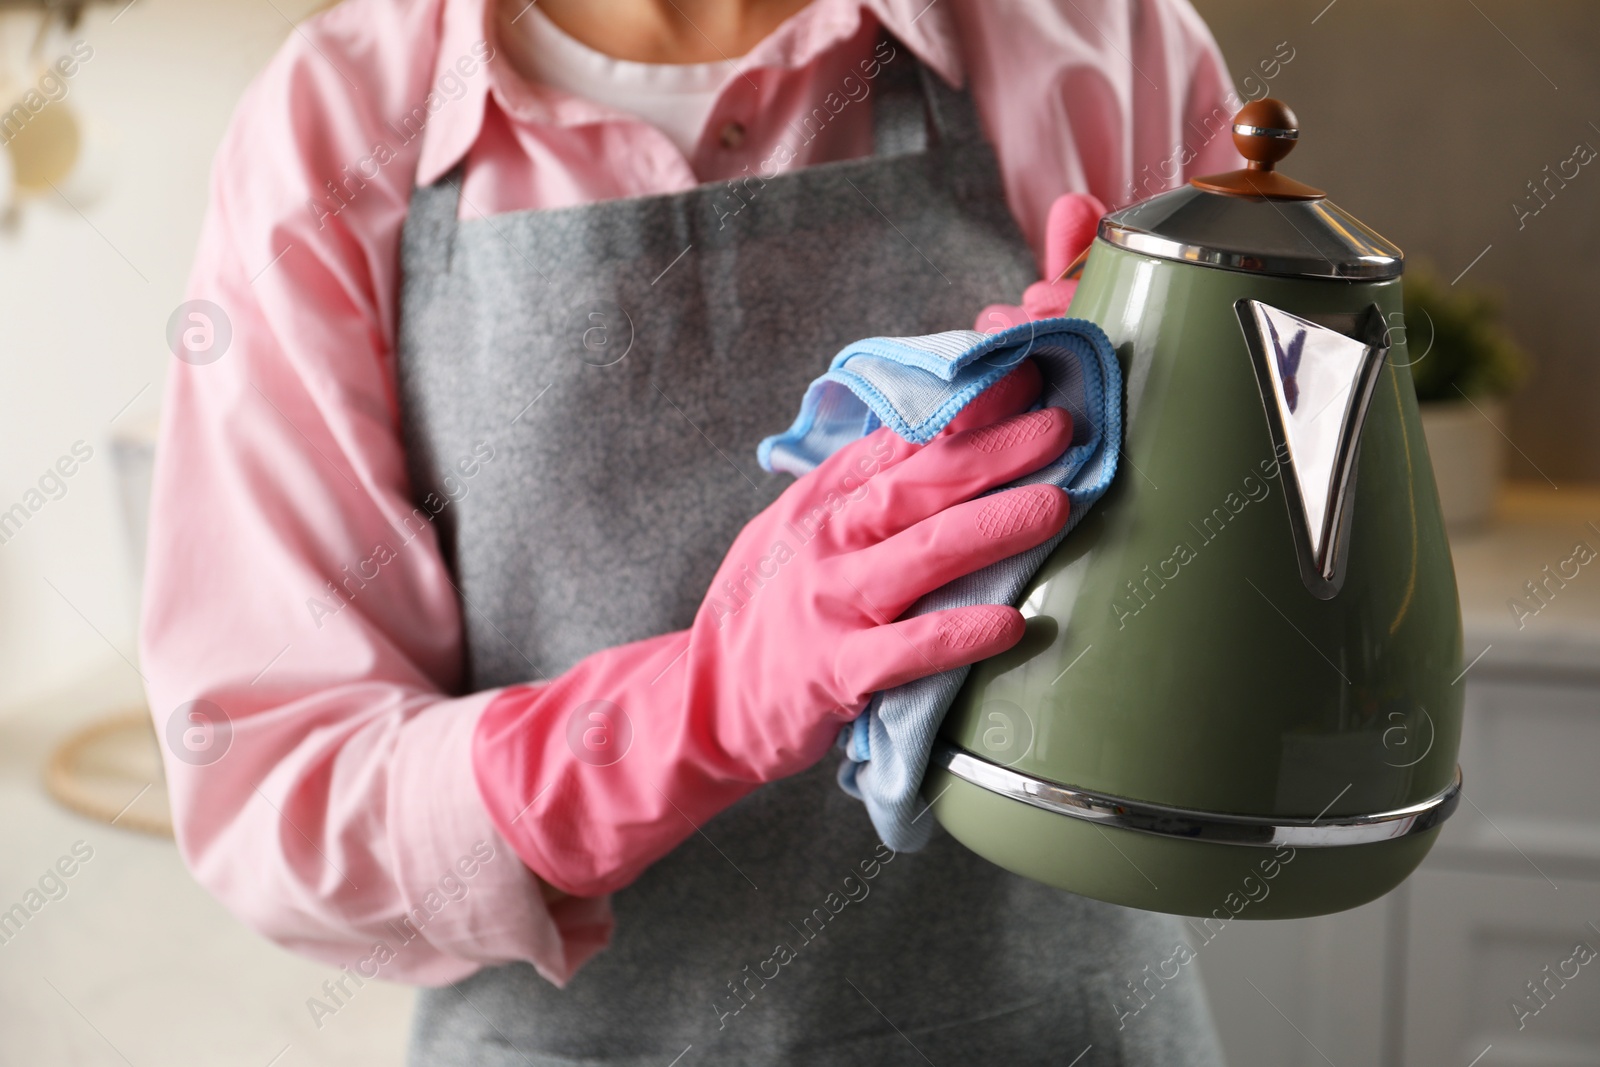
column 1264, row 131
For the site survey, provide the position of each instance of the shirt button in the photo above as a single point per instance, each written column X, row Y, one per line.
column 732, row 135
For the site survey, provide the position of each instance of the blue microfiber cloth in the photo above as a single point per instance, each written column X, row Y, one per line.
column 915, row 386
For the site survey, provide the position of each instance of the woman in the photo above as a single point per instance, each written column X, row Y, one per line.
column 451, row 623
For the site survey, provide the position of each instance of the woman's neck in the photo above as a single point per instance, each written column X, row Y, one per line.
column 667, row 31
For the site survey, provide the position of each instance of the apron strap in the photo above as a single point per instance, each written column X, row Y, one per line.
column 952, row 116
column 915, row 108
column 900, row 107
column 431, row 220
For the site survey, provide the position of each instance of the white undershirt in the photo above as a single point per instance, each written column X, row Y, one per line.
column 675, row 98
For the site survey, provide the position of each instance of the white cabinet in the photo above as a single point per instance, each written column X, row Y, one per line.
column 1304, row 992
column 1530, row 753
column 1502, row 965
column 1489, row 956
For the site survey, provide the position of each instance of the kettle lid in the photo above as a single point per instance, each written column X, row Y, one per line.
column 1256, row 219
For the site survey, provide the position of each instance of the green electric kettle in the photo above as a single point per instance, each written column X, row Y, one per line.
column 1237, row 695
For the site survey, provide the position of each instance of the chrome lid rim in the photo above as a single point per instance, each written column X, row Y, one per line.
column 1362, row 269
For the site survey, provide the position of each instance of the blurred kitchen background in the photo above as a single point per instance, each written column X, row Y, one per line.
column 1462, row 129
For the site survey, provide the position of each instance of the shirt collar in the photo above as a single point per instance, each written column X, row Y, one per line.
column 926, row 28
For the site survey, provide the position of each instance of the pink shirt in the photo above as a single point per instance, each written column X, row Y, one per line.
column 342, row 820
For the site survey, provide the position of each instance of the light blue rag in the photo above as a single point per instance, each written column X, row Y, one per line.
column 915, row 386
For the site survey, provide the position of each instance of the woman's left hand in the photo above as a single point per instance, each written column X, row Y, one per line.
column 1070, row 227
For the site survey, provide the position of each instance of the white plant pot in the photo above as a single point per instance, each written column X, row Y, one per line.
column 1468, row 452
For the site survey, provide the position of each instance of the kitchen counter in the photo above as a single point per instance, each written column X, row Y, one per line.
column 1530, row 583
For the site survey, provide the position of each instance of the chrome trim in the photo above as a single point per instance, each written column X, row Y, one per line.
column 1362, row 269
column 1319, row 451
column 1104, row 810
column 1246, row 130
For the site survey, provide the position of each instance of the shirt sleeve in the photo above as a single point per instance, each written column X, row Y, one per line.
column 301, row 638
column 1121, row 99
column 1209, row 101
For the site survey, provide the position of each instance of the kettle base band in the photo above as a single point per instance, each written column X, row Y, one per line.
column 1163, row 821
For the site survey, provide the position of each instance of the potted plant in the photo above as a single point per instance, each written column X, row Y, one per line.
column 1464, row 364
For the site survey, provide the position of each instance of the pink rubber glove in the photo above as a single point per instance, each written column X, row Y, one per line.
column 597, row 774
column 1068, row 230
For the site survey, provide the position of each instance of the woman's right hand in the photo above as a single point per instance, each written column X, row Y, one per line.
column 597, row 774
column 799, row 627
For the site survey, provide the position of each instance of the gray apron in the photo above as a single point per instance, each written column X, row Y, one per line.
column 619, row 361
